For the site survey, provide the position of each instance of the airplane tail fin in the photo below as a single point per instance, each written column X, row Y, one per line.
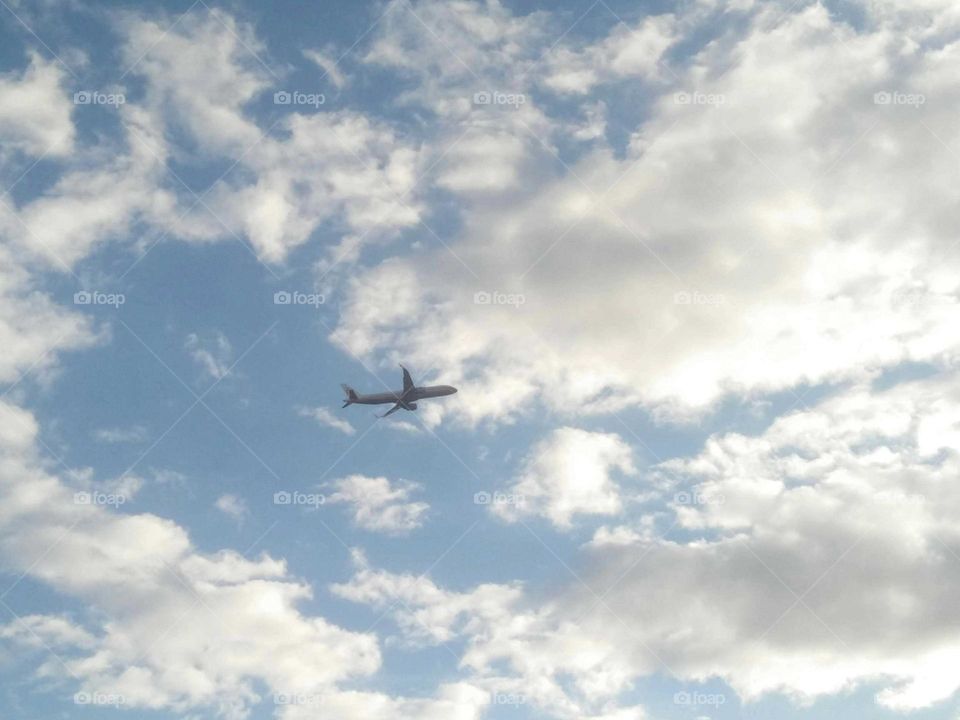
column 350, row 393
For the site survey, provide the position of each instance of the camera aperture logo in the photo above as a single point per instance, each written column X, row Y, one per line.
column 296, row 497
column 95, row 97
column 95, row 297
column 295, row 97
column 495, row 97
column 284, row 297
column 498, row 298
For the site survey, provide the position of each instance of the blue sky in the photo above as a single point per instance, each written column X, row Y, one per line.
column 690, row 265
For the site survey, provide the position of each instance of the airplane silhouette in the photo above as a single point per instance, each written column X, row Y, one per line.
column 406, row 398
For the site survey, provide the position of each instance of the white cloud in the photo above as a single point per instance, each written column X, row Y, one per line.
column 34, row 330
column 453, row 701
column 114, row 435
column 313, row 166
column 169, row 627
column 35, row 110
column 716, row 250
column 511, row 647
column 37, row 631
column 841, row 505
column 328, row 64
column 594, row 126
column 626, row 53
column 567, row 474
column 320, row 165
column 379, row 505
column 848, row 506
column 208, row 105
column 326, row 418
column 232, row 506
column 143, row 577
column 809, row 228
column 98, row 197
column 214, row 355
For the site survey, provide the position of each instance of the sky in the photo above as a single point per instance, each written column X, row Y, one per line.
column 691, row 265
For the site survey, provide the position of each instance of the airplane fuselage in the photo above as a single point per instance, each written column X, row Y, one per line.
column 412, row 395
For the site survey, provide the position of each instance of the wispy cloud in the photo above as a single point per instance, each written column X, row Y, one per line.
column 326, row 418
column 132, row 434
column 379, row 505
column 213, row 354
column 233, row 506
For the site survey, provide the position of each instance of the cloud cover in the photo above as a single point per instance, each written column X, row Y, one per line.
column 768, row 224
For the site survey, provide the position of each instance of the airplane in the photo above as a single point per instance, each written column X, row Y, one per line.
column 406, row 398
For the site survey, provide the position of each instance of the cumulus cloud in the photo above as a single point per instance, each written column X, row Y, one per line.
column 512, row 648
column 35, row 330
column 829, row 552
column 170, row 627
column 99, row 195
column 37, row 631
column 309, row 167
column 35, row 110
column 379, row 505
column 769, row 223
column 144, row 577
column 755, row 235
column 627, row 52
column 320, row 165
column 822, row 556
column 570, row 473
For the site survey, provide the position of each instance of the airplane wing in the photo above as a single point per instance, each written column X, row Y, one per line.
column 391, row 410
column 407, row 380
